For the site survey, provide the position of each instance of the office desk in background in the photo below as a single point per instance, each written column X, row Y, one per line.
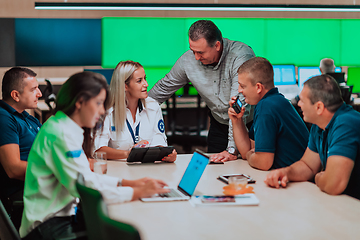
column 301, row 211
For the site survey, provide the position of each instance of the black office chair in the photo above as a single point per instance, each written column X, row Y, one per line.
column 187, row 126
column 97, row 221
column 338, row 76
column 346, row 90
column 7, row 228
column 49, row 94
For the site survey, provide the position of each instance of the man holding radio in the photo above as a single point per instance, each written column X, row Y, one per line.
column 278, row 136
column 332, row 155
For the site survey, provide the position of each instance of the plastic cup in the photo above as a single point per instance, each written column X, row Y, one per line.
column 100, row 162
column 237, row 183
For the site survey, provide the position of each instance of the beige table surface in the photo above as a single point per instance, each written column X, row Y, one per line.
column 301, row 211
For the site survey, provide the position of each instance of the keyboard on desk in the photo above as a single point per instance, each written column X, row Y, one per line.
column 289, row 91
column 172, row 193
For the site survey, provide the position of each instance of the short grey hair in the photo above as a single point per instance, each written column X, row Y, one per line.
column 205, row 29
column 327, row 65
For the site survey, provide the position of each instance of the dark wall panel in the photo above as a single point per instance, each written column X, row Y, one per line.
column 7, row 42
column 58, row 42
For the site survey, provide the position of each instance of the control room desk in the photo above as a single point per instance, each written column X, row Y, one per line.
column 301, row 211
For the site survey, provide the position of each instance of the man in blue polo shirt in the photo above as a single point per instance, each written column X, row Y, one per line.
column 18, row 130
column 278, row 136
column 333, row 152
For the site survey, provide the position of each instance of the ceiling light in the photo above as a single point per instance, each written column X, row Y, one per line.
column 195, row 7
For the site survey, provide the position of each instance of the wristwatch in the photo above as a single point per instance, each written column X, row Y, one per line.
column 231, row 150
column 119, row 183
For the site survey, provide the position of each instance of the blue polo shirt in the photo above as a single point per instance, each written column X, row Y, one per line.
column 341, row 137
column 17, row 128
column 278, row 129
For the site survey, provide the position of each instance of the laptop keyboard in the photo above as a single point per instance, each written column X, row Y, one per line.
column 172, row 193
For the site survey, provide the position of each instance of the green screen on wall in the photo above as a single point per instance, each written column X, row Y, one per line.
column 154, row 42
column 349, row 38
column 158, row 42
column 154, row 74
column 239, row 29
column 353, row 78
column 301, row 41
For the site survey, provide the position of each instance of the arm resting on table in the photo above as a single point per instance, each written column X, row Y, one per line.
column 335, row 178
column 14, row 167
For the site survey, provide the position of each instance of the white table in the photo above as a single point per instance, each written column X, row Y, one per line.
column 301, row 211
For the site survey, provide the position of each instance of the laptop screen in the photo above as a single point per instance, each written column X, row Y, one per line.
column 193, row 172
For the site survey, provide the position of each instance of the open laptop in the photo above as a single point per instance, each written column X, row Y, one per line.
column 188, row 181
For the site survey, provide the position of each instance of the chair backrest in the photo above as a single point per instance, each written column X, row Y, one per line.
column 113, row 229
column 7, row 229
column 97, row 221
column 187, row 125
column 338, row 76
column 90, row 199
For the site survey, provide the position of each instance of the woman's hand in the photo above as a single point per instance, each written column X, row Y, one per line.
column 138, row 182
column 141, row 144
column 146, row 187
column 171, row 157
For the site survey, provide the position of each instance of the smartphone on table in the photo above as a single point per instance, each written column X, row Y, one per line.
column 225, row 177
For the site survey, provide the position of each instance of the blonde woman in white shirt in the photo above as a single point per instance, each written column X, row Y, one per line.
column 133, row 119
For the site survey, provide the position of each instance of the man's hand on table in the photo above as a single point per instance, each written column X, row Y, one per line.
column 277, row 178
column 224, row 156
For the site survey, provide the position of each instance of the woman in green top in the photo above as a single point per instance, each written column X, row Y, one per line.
column 60, row 151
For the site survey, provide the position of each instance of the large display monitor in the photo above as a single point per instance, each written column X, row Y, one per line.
column 108, row 72
column 57, row 42
column 304, row 73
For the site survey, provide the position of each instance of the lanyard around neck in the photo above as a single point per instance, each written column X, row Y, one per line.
column 135, row 136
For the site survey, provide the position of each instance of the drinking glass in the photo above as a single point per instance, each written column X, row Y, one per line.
column 100, row 162
column 237, row 182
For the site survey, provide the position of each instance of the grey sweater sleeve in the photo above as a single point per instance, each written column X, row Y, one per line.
column 248, row 115
column 169, row 84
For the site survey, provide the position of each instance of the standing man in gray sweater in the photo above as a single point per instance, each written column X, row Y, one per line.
column 211, row 66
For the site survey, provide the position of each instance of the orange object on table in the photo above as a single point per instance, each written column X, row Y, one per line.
column 228, row 190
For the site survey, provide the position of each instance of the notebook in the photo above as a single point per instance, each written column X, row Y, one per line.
column 188, row 181
column 248, row 199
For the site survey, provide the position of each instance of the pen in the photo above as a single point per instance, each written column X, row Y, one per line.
column 242, row 196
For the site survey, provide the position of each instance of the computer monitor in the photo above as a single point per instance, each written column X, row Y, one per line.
column 284, row 75
column 353, row 78
column 107, row 72
column 338, row 76
column 304, row 73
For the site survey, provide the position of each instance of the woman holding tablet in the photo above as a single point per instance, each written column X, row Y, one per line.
column 60, row 151
column 133, row 119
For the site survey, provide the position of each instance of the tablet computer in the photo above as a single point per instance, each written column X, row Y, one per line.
column 149, row 154
column 225, row 178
